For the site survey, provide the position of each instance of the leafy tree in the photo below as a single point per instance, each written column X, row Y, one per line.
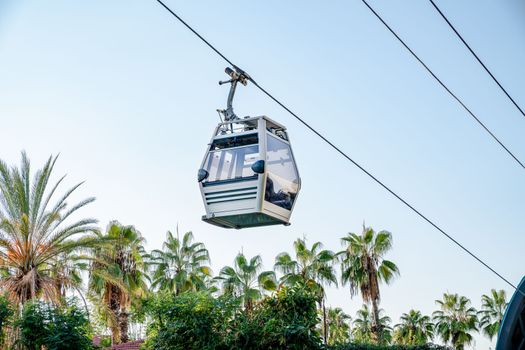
column 456, row 320
column 189, row 321
column 181, row 265
column 364, row 330
column 363, row 267
column 6, row 312
column 414, row 329
column 117, row 277
column 285, row 320
column 313, row 267
column 492, row 310
column 354, row 346
column 36, row 232
column 67, row 270
column 338, row 324
column 43, row 325
column 245, row 280
column 196, row 320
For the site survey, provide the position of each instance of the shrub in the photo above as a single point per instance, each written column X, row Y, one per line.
column 391, row 347
column 6, row 312
column 286, row 320
column 54, row 327
column 191, row 321
column 187, row 322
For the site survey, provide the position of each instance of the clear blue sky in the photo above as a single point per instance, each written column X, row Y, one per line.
column 127, row 96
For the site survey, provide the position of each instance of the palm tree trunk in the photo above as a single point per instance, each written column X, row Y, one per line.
column 85, row 303
column 248, row 306
column 375, row 321
column 123, row 321
column 114, row 306
column 115, row 336
column 325, row 324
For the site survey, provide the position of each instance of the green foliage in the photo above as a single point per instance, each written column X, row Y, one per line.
column 54, row 327
column 414, row 329
column 492, row 310
column 455, row 320
column 363, row 264
column 193, row 320
column 181, row 265
column 338, row 326
column 365, row 330
column 245, row 280
column 196, row 320
column 37, row 232
column 286, row 320
column 118, row 277
column 312, row 266
column 364, row 267
column 6, row 312
column 388, row 347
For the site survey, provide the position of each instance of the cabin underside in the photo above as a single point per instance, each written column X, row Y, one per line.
column 244, row 220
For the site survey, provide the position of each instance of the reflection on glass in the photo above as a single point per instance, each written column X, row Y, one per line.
column 227, row 164
column 282, row 183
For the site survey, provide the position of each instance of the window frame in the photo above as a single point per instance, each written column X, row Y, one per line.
column 234, row 179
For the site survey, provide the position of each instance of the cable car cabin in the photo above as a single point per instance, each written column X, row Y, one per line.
column 248, row 176
column 511, row 335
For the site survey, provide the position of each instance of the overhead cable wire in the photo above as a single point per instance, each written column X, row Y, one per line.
column 477, row 58
column 346, row 156
column 454, row 96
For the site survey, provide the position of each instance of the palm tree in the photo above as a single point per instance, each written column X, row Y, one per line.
column 365, row 330
column 414, row 329
column 312, row 267
column 181, row 265
column 36, row 231
column 456, row 320
column 338, row 324
column 363, row 267
column 117, row 277
column 492, row 310
column 245, row 280
column 66, row 270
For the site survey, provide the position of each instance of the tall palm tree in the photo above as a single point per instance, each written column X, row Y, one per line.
column 246, row 280
column 414, row 329
column 363, row 267
column 66, row 270
column 181, row 265
column 455, row 320
column 492, row 310
column 365, row 330
column 338, row 324
column 117, row 277
column 36, row 230
column 312, row 267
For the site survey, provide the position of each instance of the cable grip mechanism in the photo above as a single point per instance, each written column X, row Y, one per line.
column 237, row 75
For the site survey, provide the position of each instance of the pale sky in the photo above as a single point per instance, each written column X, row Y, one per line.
column 127, row 96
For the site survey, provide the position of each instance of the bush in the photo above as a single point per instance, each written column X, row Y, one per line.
column 54, row 327
column 392, row 347
column 187, row 322
column 194, row 321
column 286, row 320
column 6, row 312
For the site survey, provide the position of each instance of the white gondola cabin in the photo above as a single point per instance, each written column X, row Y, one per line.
column 248, row 176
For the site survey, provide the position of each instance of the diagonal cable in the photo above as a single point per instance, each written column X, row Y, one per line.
column 341, row 152
column 477, row 58
column 454, row 96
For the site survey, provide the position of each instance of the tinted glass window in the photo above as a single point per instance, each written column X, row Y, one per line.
column 235, row 141
column 282, row 183
column 227, row 164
